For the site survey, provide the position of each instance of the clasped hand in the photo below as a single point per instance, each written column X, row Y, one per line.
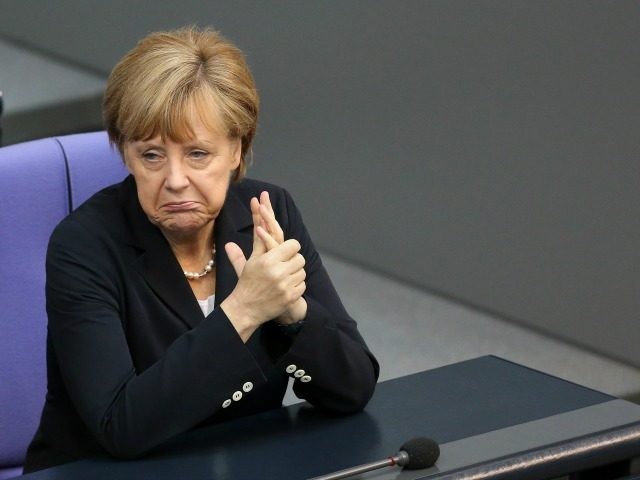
column 271, row 281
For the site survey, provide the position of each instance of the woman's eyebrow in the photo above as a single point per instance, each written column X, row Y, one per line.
column 200, row 141
column 208, row 145
column 143, row 144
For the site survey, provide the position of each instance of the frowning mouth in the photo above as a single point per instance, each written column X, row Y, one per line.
column 179, row 206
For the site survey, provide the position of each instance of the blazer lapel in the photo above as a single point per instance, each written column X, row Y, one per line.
column 234, row 224
column 156, row 263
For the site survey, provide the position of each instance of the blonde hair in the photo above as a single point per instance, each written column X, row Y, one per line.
column 157, row 87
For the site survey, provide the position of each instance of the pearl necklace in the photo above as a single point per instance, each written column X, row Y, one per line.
column 207, row 268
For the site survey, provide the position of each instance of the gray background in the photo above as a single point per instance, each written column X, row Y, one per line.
column 487, row 151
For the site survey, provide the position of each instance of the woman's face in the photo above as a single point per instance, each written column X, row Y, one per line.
column 182, row 185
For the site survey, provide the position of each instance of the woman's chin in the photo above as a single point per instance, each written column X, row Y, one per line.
column 181, row 226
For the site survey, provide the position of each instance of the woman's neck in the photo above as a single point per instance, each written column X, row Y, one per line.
column 192, row 249
column 194, row 253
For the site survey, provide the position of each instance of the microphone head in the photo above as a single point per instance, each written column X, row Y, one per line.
column 423, row 452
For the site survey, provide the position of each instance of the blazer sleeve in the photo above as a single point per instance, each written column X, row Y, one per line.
column 329, row 361
column 129, row 412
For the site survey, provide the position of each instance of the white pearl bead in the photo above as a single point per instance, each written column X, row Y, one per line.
column 207, row 268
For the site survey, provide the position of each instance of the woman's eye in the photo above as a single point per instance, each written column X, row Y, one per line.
column 198, row 154
column 151, row 156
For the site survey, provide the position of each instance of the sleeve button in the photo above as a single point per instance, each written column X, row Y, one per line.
column 305, row 379
column 247, row 387
column 291, row 368
column 236, row 395
column 299, row 373
column 226, row 403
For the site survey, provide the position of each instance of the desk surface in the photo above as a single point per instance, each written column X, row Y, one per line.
column 487, row 414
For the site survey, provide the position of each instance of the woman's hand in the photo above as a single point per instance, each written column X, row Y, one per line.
column 265, row 217
column 271, row 282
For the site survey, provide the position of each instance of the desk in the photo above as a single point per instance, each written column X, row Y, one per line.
column 491, row 417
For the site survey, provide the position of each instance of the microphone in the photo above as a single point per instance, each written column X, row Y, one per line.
column 417, row 453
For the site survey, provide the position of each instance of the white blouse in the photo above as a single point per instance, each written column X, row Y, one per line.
column 207, row 305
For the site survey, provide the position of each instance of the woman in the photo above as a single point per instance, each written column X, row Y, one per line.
column 186, row 295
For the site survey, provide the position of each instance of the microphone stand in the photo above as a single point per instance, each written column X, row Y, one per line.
column 401, row 458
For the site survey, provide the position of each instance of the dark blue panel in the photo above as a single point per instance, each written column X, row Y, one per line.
column 298, row 442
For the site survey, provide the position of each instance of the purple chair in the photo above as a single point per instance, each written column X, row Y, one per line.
column 40, row 182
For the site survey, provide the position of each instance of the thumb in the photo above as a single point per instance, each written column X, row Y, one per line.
column 236, row 257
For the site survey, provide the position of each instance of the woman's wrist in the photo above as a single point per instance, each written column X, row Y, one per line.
column 239, row 317
column 295, row 314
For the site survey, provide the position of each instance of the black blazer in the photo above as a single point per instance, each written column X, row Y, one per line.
column 131, row 359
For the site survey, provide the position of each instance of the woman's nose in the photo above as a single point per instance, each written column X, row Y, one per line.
column 176, row 178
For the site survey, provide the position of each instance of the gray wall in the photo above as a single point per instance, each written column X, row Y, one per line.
column 485, row 150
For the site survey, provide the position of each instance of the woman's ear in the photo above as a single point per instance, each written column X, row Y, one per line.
column 237, row 153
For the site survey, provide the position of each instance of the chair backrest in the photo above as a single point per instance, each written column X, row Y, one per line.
column 40, row 183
